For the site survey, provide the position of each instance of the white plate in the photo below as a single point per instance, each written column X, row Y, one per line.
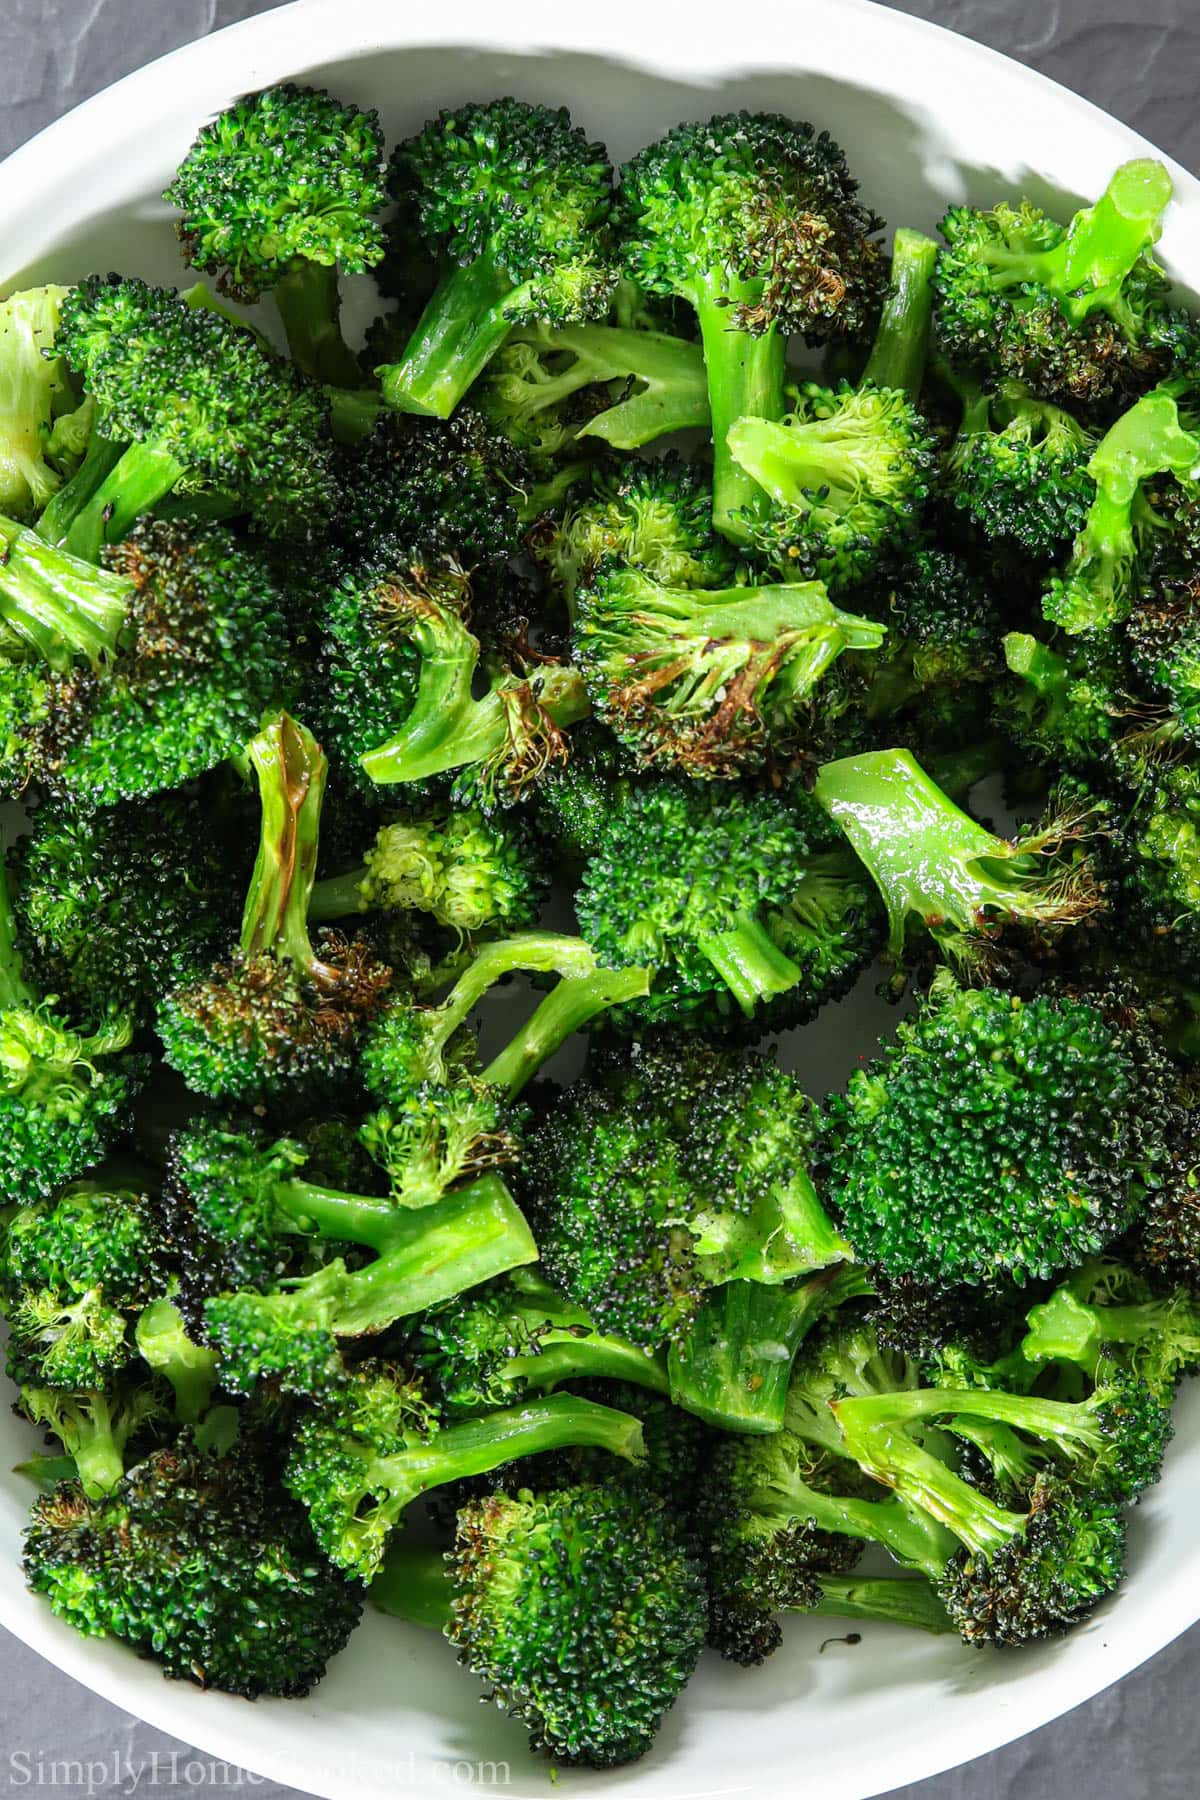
column 927, row 118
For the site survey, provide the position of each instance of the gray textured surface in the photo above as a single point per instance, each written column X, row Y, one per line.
column 1140, row 61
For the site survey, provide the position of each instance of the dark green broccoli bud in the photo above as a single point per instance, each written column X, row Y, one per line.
column 730, row 896
column 512, row 201
column 496, row 1345
column 74, row 1272
column 667, row 1171
column 1065, row 705
column 1108, row 1309
column 581, row 1609
column 847, row 471
column 1095, row 590
column 999, row 1137
column 204, row 1564
column 1163, row 640
column 1075, row 312
column 98, row 1430
column 754, row 221
column 65, row 1092
column 35, row 401
column 575, row 798
column 371, row 1446
column 937, row 866
column 464, row 870
column 280, row 1020
column 202, row 407
column 114, row 906
column 553, row 389
column 1018, row 468
column 654, row 516
column 278, row 193
column 708, row 682
column 204, row 655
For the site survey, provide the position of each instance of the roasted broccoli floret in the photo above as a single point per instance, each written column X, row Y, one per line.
column 582, row 1610
column 1108, row 1308
column 278, row 193
column 513, row 201
column 280, row 1020
column 1018, row 468
column 201, row 1562
column 847, row 470
column 42, row 430
column 754, row 220
column 98, row 1430
column 998, row 1137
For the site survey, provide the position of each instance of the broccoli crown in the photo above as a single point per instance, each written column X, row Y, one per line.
column 943, row 633
column 998, row 1137
column 204, row 1564
column 756, row 208
column 206, row 656
column 667, row 1170
column 201, row 391
column 1021, row 471
column 1167, row 1238
column 575, row 798
column 115, row 905
column 286, row 173
column 65, row 1096
column 521, row 186
column 582, row 1610
column 221, row 1205
column 73, row 1268
column 465, row 870
column 368, row 666
column 847, row 473
column 1065, row 705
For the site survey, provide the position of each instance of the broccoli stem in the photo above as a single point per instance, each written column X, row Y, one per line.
column 99, row 460
column 98, row 1453
column 745, row 375
column 28, row 383
column 338, row 896
column 59, row 607
column 16, row 994
column 1065, row 1329
column 464, row 324
column 733, row 1367
column 751, row 965
column 291, row 769
column 415, row 1584
column 163, row 1342
column 901, row 347
column 910, row 1534
column 1105, row 240
column 143, row 476
column 671, row 395
column 307, row 299
column 565, row 1010
column 892, row 1600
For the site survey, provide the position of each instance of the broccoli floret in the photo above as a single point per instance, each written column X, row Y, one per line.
column 575, row 798
column 279, row 1021
column 847, row 471
column 466, row 871
column 190, row 1369
column 733, row 897
column 1075, row 312
column 754, row 221
column 280, row 192
column 708, row 682
column 98, row 1431
column 669, row 1170
column 1018, row 468
column 37, row 405
column 202, row 407
column 204, row 1564
column 371, row 1446
column 512, row 201
column 582, row 1610
column 1107, row 1308
column 958, row 881
column 1067, row 705
column 997, row 1137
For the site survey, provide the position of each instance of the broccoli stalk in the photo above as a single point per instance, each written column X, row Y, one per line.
column 191, row 1369
column 882, row 1599
column 58, row 608
column 901, row 347
column 31, row 387
column 94, row 1429
column 1105, row 1306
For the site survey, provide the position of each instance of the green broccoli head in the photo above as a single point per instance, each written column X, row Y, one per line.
column 1018, row 470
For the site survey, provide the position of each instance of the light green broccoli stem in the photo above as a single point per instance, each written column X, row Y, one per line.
column 733, row 1367
column 571, row 1005
column 61, row 609
column 901, row 347
column 528, row 952
column 1066, row 1329
column 191, row 1369
column 1044, row 669
column 910, row 1534
column 464, row 324
column 291, row 769
column 415, row 1584
column 93, row 1433
column 99, row 460
column 567, row 1346
column 15, row 991
column 671, row 392
column 306, row 296
column 1104, row 241
column 745, row 375
column 890, row 1600
column 142, row 477
column 29, row 384
column 749, row 962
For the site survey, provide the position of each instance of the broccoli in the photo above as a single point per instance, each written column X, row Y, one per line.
column 201, row 1562
column 1075, row 312
column 278, row 193
column 278, row 1021
column 935, row 865
column 1018, row 468
column 202, row 407
column 1107, row 1308
column 581, row 1609
column 848, row 470
column 732, row 897
column 667, row 1171
column 754, row 221
column 943, row 648
column 513, row 201
column 466, row 871
column 35, row 398
column 98, row 1430
column 372, row 1445
column 998, row 1137
column 1066, row 704
column 575, row 798
column 1095, row 589
column 65, row 1092
column 190, row 1369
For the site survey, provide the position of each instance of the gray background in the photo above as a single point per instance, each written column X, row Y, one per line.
column 1139, row 59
